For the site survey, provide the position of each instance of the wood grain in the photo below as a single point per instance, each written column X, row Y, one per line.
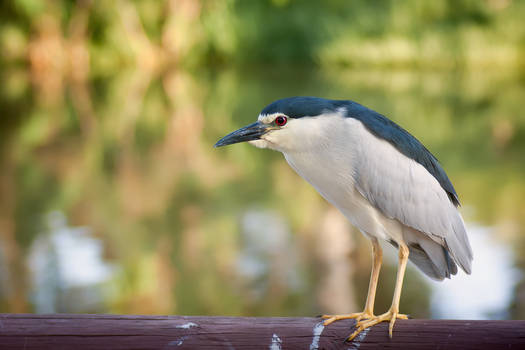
column 23, row 331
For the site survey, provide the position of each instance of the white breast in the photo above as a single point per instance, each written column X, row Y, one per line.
column 331, row 169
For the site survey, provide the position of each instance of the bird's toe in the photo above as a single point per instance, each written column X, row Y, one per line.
column 356, row 315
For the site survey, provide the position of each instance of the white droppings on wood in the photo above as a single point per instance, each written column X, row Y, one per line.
column 318, row 329
column 178, row 342
column 276, row 342
column 188, row 325
column 356, row 342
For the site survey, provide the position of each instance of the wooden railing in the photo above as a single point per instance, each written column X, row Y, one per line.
column 25, row 331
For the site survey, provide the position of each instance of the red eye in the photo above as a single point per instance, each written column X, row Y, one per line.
column 281, row 120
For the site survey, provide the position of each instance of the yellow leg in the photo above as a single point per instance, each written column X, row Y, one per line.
column 368, row 312
column 393, row 313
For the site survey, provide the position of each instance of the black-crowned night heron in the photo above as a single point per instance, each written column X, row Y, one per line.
column 379, row 176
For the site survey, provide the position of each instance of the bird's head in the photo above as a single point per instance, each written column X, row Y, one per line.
column 289, row 124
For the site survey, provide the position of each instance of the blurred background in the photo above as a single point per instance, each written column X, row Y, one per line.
column 113, row 199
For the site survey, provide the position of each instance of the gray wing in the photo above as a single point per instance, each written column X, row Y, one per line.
column 403, row 189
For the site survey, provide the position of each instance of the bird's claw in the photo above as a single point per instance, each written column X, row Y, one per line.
column 387, row 316
column 356, row 315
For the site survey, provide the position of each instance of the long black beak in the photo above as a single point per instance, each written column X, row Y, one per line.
column 249, row 132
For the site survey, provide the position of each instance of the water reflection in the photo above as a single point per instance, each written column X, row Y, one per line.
column 267, row 259
column 129, row 158
column 487, row 292
column 67, row 268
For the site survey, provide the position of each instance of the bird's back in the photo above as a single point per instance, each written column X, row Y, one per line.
column 404, row 142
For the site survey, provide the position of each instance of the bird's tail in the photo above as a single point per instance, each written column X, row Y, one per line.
column 436, row 264
column 429, row 256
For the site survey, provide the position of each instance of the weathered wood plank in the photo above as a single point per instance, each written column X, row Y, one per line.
column 22, row 331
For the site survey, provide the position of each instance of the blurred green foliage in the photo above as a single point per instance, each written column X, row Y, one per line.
column 329, row 33
column 110, row 110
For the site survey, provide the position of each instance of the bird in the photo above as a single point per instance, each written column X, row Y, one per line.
column 380, row 177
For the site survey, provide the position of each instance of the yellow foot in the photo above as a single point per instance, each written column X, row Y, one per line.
column 387, row 316
column 357, row 315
